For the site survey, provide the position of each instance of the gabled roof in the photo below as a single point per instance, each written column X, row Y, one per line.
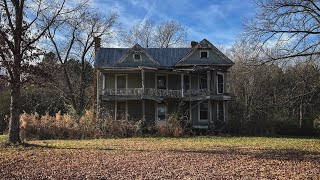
column 205, row 44
column 164, row 57
column 135, row 48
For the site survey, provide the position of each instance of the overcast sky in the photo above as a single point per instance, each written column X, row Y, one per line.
column 219, row 21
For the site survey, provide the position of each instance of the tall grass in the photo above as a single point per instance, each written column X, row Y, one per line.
column 66, row 126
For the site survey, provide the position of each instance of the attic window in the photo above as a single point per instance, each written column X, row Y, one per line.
column 204, row 54
column 137, row 57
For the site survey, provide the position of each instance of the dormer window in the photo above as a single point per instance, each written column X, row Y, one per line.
column 204, row 54
column 137, row 57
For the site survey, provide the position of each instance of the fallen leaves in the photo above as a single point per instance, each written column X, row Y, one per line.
column 139, row 163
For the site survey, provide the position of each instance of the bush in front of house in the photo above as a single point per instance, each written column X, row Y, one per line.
column 34, row 126
column 172, row 127
column 66, row 126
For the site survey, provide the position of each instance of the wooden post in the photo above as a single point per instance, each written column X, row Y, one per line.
column 210, row 113
column 208, row 82
column 143, row 101
column 190, row 111
column 96, row 110
column 142, row 79
column 182, row 85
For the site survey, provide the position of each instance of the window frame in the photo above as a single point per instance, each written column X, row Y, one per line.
column 188, row 82
column 166, row 111
column 116, row 81
column 224, row 110
column 219, row 73
column 116, row 109
column 206, row 51
column 156, row 81
column 199, row 81
column 134, row 57
column 199, row 110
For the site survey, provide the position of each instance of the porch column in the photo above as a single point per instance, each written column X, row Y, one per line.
column 210, row 113
column 182, row 85
column 208, row 82
column 142, row 79
column 143, row 110
column 143, row 101
column 103, row 82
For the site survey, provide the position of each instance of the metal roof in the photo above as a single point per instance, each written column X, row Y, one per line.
column 166, row 57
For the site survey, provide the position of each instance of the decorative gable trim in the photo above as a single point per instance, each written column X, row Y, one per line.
column 204, row 44
column 135, row 49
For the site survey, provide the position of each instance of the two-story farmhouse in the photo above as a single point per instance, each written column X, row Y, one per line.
column 150, row 83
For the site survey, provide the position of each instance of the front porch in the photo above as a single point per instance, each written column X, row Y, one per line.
column 198, row 114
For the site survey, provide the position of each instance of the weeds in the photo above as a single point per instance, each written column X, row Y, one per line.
column 68, row 126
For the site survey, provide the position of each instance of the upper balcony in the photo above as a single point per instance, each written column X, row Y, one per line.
column 152, row 93
column 161, row 85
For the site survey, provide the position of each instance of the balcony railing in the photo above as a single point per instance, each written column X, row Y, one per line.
column 153, row 92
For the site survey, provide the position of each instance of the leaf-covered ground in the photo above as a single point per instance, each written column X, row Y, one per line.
column 164, row 158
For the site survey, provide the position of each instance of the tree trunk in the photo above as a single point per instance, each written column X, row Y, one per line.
column 14, row 124
column 300, row 115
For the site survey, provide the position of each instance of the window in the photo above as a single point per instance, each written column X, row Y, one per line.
column 121, row 81
column 204, row 54
column 203, row 82
column 186, row 82
column 220, row 83
column 161, row 82
column 161, row 112
column 121, row 110
column 220, row 111
column 204, row 109
column 137, row 57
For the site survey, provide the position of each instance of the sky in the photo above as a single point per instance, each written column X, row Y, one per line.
column 219, row 21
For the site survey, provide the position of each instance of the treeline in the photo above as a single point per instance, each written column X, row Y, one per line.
column 273, row 98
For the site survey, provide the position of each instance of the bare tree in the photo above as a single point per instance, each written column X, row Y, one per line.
column 290, row 27
column 21, row 28
column 139, row 33
column 167, row 34
column 73, row 38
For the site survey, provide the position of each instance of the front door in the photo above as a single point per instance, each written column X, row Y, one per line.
column 161, row 113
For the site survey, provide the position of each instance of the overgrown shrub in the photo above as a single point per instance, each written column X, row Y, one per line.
column 66, row 126
column 117, row 128
column 173, row 126
column 59, row 126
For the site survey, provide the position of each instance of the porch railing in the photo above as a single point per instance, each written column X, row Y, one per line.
column 153, row 92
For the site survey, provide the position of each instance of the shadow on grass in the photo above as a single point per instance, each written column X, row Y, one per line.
column 269, row 154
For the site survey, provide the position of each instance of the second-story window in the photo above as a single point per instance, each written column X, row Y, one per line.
column 137, row 57
column 220, row 83
column 203, row 82
column 204, row 54
column 121, row 81
column 186, row 82
column 161, row 82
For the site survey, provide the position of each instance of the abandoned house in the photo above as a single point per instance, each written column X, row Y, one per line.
column 151, row 83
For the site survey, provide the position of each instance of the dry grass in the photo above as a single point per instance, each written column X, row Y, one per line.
column 164, row 158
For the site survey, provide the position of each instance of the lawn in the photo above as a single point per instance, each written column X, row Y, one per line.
column 164, row 158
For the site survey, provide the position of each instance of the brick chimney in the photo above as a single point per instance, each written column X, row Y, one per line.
column 193, row 43
column 97, row 44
